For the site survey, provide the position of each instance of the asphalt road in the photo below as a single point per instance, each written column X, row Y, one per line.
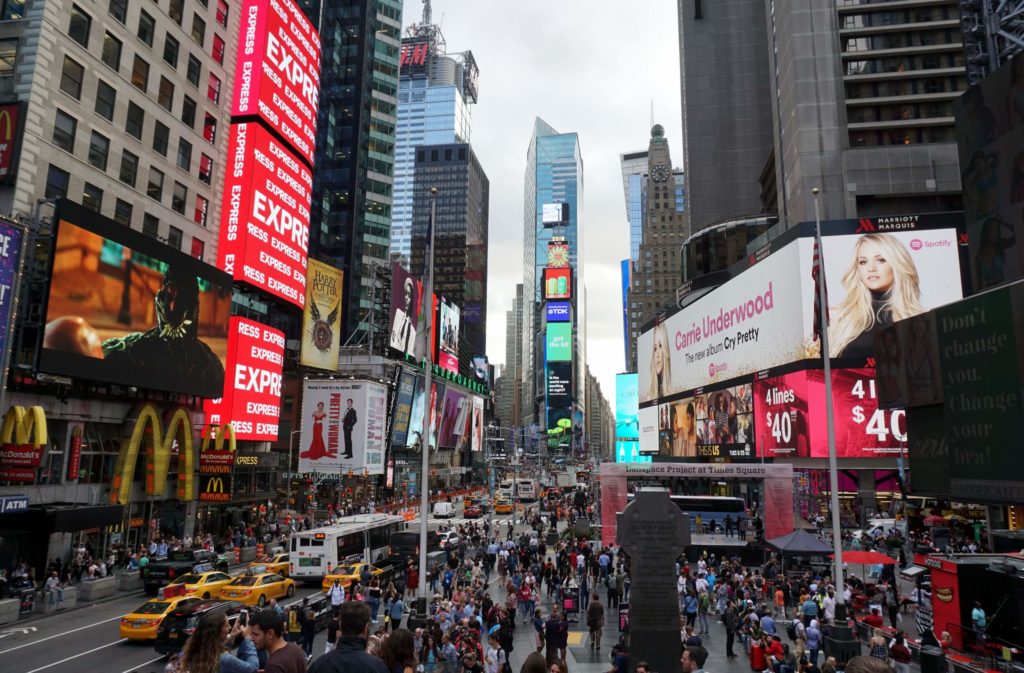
column 86, row 640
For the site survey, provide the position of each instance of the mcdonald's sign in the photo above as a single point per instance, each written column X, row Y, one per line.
column 217, row 460
column 215, row 488
column 10, row 116
column 23, row 437
column 157, row 436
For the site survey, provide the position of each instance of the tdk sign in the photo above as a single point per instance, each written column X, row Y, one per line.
column 558, row 311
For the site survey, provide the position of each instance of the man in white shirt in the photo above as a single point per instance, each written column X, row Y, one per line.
column 54, row 588
column 336, row 594
column 829, row 605
column 403, row 332
column 702, row 583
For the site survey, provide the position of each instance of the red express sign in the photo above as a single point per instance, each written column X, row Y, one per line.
column 252, row 387
column 265, row 222
column 278, row 71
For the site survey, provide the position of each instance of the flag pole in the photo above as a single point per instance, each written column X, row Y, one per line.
column 833, row 468
column 429, row 412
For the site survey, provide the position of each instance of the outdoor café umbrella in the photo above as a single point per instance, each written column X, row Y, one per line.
column 867, row 558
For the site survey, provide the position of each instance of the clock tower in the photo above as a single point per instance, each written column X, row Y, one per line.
column 657, row 272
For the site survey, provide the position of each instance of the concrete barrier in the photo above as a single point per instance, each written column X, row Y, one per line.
column 9, row 608
column 129, row 581
column 93, row 590
column 247, row 554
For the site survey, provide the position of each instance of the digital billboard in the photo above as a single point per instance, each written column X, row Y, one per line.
column 558, row 311
column 627, row 422
column 711, row 424
column 125, row 308
column 455, row 417
column 478, row 424
column 557, row 283
column 343, row 427
column 264, row 232
column 10, row 266
column 321, row 319
column 405, row 310
column 251, row 398
column 877, row 271
column 559, row 342
column 559, row 384
column 558, row 255
column 277, row 75
column 552, row 214
column 407, row 385
column 10, row 133
column 417, row 409
column 448, row 336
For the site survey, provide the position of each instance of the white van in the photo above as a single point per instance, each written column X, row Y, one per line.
column 444, row 510
column 882, row 527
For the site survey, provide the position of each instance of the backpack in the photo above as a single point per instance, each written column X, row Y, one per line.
column 791, row 631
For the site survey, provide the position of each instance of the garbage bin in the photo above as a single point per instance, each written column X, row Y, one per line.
column 932, row 659
column 28, row 602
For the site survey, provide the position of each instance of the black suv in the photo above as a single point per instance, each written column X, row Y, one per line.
column 179, row 625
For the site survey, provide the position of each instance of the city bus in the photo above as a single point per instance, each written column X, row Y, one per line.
column 526, row 490
column 359, row 538
column 711, row 508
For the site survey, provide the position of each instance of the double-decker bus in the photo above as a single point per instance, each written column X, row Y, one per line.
column 358, row 538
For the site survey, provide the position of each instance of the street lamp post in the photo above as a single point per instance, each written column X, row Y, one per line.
column 425, row 428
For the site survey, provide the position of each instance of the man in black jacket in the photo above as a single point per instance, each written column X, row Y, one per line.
column 731, row 624
column 350, row 655
column 347, row 423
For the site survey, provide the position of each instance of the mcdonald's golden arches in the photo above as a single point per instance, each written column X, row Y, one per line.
column 150, row 432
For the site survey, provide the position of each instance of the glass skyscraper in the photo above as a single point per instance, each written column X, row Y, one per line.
column 634, row 188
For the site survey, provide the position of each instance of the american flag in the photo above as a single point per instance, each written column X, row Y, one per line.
column 820, row 312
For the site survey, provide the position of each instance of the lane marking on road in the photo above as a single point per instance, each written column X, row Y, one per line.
column 75, row 656
column 145, row 663
column 60, row 635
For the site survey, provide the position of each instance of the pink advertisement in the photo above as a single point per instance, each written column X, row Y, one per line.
column 791, row 422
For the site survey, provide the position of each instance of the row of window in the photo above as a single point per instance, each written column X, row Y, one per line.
column 874, row 66
column 899, row 17
column 941, row 134
column 905, row 87
column 176, row 10
column 879, row 113
column 917, row 38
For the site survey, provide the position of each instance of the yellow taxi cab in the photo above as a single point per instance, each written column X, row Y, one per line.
column 348, row 574
column 203, row 585
column 502, row 506
column 143, row 622
column 274, row 564
column 257, row 588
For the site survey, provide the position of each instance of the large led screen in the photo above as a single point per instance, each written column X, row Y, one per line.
column 627, row 424
column 557, row 283
column 558, row 311
column 448, row 336
column 712, row 424
column 407, row 385
column 405, row 310
column 127, row 309
column 278, row 72
column 559, row 342
column 10, row 267
column 455, row 418
column 559, row 384
column 264, row 231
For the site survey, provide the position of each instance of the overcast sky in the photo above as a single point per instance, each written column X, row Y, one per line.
column 589, row 66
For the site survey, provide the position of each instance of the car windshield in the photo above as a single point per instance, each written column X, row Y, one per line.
column 247, row 581
column 188, row 579
column 152, row 608
column 345, row 570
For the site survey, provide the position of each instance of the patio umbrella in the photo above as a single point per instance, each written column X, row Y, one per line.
column 934, row 520
column 873, row 558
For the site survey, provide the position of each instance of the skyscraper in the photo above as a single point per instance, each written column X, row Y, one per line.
column 352, row 179
column 554, row 178
column 436, row 90
column 634, row 187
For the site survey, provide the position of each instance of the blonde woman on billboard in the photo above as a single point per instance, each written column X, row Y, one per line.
column 882, row 286
column 661, row 365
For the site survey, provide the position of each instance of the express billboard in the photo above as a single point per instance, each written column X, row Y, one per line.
column 557, row 283
column 125, row 308
column 277, row 75
column 405, row 310
column 251, row 399
column 559, row 342
column 558, row 311
column 343, row 426
column 448, row 336
column 627, row 423
column 264, row 231
column 877, row 271
column 321, row 319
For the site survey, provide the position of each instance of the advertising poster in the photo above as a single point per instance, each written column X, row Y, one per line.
column 342, row 427
column 557, row 283
column 407, row 385
column 405, row 310
column 649, row 431
column 558, row 255
column 783, row 411
column 711, row 424
column 435, row 402
column 559, row 384
column 321, row 319
column 10, row 264
column 251, row 398
column 627, row 422
column 559, row 342
column 277, row 75
column 264, row 230
column 10, row 119
column 455, row 416
column 554, row 213
column 127, row 309
column 478, row 424
column 416, row 413
column 448, row 336
column 558, row 311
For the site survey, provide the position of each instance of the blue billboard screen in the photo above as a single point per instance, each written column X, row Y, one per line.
column 627, row 422
column 558, row 311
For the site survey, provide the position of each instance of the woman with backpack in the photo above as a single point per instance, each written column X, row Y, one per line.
column 900, row 653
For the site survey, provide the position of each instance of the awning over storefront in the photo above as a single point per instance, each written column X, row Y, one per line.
column 65, row 517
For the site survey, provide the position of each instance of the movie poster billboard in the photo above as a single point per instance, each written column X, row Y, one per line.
column 405, row 310
column 125, row 308
column 448, row 336
column 407, row 385
column 10, row 265
column 321, row 317
column 343, row 427
column 478, row 424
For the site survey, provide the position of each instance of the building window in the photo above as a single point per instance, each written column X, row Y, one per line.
column 205, row 169
column 218, row 49
column 210, row 128
column 174, row 237
column 13, row 10
column 202, row 207
column 123, row 212
column 194, row 70
column 71, row 78
column 165, row 96
column 64, row 128
column 213, row 89
column 178, row 197
column 8, row 56
column 222, row 12
column 99, row 148
column 155, row 186
column 78, row 29
column 161, row 136
column 111, row 51
column 184, row 154
column 198, row 29
column 198, row 248
column 140, row 73
column 56, row 183
column 147, row 28
column 188, row 111
column 92, row 197
column 176, row 11
column 150, row 225
column 171, row 51
column 129, row 168
column 106, row 96
column 133, row 123
column 118, row 9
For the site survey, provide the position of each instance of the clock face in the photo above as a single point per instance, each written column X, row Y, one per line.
column 660, row 173
column 558, row 255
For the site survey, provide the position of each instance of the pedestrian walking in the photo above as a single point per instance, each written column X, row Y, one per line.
column 595, row 622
